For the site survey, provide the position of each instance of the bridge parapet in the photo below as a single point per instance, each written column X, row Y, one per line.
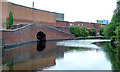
column 29, row 32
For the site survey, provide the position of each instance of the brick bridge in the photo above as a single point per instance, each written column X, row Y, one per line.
column 30, row 31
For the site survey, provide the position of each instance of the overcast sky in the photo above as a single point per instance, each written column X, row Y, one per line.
column 75, row 10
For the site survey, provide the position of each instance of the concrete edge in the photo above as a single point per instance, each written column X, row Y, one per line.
column 16, row 45
column 34, row 41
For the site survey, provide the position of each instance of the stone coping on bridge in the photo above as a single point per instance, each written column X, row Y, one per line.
column 12, row 30
column 61, row 27
column 55, row 29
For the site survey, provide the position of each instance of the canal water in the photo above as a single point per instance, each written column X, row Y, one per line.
column 89, row 54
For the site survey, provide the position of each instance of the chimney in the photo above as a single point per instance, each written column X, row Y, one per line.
column 33, row 4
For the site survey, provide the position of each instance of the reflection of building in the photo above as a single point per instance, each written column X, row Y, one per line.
column 59, row 56
column 27, row 57
column 32, row 64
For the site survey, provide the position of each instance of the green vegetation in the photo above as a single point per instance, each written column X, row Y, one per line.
column 11, row 65
column 112, row 29
column 93, row 32
column 75, row 30
column 84, row 32
column 113, row 54
column 102, row 30
column 118, row 33
column 79, row 32
column 10, row 21
column 77, row 48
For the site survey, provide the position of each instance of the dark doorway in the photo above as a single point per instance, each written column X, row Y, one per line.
column 41, row 36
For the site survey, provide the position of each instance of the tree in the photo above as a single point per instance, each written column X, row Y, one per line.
column 102, row 30
column 117, row 31
column 93, row 32
column 109, row 30
column 10, row 21
column 115, row 22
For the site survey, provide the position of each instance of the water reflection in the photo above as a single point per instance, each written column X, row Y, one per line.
column 46, row 55
column 41, row 45
column 28, row 57
column 113, row 54
column 81, row 43
column 82, row 55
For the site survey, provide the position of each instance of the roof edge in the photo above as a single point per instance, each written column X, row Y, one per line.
column 32, row 8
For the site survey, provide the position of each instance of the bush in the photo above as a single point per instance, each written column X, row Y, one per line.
column 93, row 32
column 77, row 31
column 10, row 21
column 83, row 32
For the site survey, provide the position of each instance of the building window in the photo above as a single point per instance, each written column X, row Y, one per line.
column 79, row 24
column 70, row 24
column 82, row 24
column 61, row 16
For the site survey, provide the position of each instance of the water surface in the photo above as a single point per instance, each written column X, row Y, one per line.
column 61, row 55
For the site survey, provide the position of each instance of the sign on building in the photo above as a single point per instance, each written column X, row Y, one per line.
column 100, row 21
column 105, row 21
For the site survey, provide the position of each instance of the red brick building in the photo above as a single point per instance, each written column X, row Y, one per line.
column 88, row 25
column 23, row 14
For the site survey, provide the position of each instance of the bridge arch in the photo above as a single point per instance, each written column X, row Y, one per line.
column 32, row 32
column 41, row 36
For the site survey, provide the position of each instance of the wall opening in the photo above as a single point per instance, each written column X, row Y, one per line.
column 41, row 36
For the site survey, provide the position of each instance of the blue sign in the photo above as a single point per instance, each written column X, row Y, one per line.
column 105, row 21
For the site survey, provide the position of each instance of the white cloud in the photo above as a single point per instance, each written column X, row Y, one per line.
column 75, row 10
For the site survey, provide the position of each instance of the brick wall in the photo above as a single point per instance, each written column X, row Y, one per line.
column 29, row 34
column 64, row 29
column 61, row 23
column 86, row 24
column 21, row 13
